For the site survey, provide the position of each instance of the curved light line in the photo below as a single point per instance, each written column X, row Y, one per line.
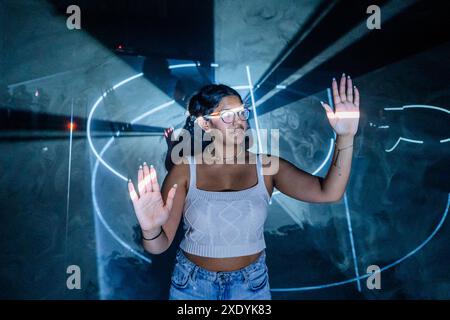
column 404, row 139
column 99, row 158
column 422, row 106
column 89, row 120
column 162, row 106
column 124, row 244
column 396, row 262
column 324, row 162
column 418, row 106
column 127, row 80
column 330, row 150
column 99, row 214
column 91, row 113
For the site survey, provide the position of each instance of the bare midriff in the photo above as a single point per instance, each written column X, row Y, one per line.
column 222, row 264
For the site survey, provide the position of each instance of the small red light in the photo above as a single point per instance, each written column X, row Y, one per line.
column 72, row 126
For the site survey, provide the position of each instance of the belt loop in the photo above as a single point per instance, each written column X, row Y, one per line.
column 244, row 272
column 193, row 273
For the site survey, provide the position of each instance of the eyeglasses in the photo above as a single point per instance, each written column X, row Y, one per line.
column 228, row 116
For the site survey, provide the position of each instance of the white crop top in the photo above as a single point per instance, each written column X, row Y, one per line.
column 224, row 224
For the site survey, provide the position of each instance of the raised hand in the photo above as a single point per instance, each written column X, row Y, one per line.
column 149, row 206
column 345, row 119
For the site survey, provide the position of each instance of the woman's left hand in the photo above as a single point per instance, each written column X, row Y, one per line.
column 345, row 119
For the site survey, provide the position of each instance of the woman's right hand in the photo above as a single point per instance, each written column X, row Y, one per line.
column 149, row 206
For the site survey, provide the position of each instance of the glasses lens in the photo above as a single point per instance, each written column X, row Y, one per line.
column 244, row 114
column 228, row 116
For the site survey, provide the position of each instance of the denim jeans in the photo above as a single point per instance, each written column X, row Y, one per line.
column 192, row 282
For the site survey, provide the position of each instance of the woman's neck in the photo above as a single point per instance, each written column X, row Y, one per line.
column 221, row 152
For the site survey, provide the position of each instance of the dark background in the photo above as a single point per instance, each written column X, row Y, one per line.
column 397, row 198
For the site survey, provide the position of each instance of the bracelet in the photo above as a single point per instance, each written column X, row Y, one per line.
column 339, row 149
column 345, row 148
column 153, row 237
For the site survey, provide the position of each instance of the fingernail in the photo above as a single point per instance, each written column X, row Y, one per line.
column 151, row 166
column 348, row 76
column 145, row 163
column 343, row 75
column 129, row 180
column 140, row 167
column 334, row 79
column 321, row 102
column 175, row 185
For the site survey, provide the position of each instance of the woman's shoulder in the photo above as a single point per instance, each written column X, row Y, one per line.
column 270, row 163
column 180, row 167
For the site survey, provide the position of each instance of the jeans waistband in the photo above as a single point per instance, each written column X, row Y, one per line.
column 240, row 274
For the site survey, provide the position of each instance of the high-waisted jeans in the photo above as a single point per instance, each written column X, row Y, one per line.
column 192, row 282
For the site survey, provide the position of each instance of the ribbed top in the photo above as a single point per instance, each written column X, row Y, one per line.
column 224, row 224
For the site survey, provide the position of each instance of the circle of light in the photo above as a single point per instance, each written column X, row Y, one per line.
column 140, row 255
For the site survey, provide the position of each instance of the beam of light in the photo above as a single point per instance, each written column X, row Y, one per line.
column 184, row 65
column 294, row 46
column 91, row 113
column 121, row 83
column 160, row 107
column 390, row 10
column 241, row 87
column 99, row 213
column 350, row 232
column 444, row 140
column 58, row 74
column 100, row 160
column 403, row 139
column 92, row 145
column 68, row 176
column 250, row 84
column 344, row 115
column 417, row 106
column 387, row 267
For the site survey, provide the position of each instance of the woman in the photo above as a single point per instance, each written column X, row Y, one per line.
column 224, row 205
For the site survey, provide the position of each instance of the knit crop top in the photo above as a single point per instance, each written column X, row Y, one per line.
column 224, row 224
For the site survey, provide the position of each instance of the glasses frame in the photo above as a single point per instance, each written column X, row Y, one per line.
column 234, row 111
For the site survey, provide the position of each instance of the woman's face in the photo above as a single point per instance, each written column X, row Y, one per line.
column 233, row 132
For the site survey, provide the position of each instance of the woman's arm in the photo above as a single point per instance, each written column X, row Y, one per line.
column 303, row 186
column 337, row 177
column 299, row 184
column 159, row 210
